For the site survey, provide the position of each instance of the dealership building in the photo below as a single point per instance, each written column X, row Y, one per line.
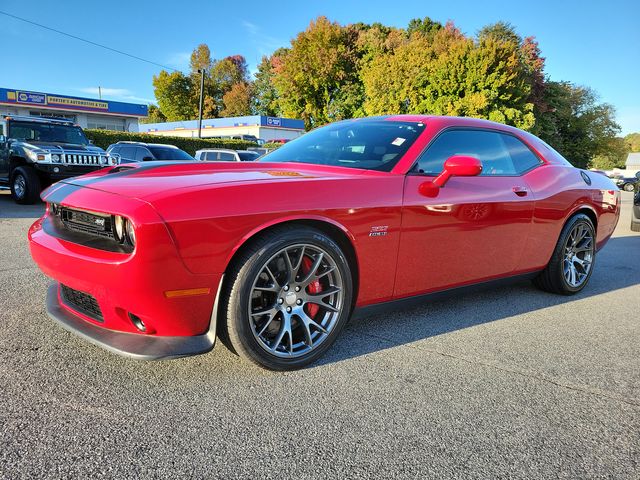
column 86, row 112
column 262, row 127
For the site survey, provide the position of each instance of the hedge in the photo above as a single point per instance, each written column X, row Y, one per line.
column 104, row 138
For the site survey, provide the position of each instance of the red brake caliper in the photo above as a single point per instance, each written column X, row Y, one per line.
column 314, row 287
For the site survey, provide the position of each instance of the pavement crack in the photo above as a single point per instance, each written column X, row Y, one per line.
column 517, row 371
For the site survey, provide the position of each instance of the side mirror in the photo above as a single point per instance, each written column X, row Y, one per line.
column 458, row 166
column 147, row 159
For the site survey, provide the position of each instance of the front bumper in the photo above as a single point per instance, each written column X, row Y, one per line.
column 133, row 345
column 64, row 170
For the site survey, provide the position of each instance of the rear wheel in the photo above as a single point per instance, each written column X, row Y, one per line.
column 25, row 186
column 289, row 296
column 571, row 264
column 629, row 187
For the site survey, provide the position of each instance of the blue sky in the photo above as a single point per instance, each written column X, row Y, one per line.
column 592, row 43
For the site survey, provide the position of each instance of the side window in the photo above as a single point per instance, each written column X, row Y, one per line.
column 128, row 153
column 523, row 158
column 141, row 153
column 211, row 156
column 500, row 154
column 227, row 157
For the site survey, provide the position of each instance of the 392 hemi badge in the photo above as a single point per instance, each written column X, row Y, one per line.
column 99, row 221
column 378, row 230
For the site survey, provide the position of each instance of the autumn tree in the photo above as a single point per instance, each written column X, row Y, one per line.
column 237, row 101
column 155, row 115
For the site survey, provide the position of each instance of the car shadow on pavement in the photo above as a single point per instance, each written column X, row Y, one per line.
column 10, row 209
column 617, row 266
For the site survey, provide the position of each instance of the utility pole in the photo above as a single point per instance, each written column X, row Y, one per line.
column 202, row 72
column 99, row 92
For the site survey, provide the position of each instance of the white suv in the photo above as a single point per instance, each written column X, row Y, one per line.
column 223, row 155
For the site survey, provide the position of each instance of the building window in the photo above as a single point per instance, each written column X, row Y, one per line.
column 53, row 115
column 105, row 125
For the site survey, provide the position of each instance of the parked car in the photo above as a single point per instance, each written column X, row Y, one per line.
column 627, row 184
column 225, row 155
column 37, row 151
column 260, row 150
column 361, row 214
column 278, row 140
column 133, row 152
column 635, row 213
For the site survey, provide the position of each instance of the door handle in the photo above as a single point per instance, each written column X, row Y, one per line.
column 520, row 191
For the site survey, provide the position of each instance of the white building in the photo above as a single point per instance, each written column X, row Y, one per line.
column 264, row 128
column 86, row 112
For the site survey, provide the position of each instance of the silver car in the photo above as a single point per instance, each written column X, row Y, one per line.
column 225, row 155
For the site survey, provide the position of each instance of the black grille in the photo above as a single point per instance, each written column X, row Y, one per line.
column 82, row 302
column 85, row 222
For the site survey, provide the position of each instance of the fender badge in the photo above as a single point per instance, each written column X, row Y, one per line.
column 378, row 230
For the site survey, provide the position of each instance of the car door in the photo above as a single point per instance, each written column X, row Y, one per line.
column 473, row 228
column 4, row 152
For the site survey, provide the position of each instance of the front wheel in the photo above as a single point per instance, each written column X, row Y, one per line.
column 288, row 297
column 571, row 264
column 629, row 187
column 25, row 186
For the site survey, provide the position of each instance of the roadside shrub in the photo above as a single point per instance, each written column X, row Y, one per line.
column 273, row 146
column 104, row 138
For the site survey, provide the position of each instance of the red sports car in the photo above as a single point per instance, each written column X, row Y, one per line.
column 155, row 260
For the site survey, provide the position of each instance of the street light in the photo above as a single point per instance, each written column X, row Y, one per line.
column 202, row 72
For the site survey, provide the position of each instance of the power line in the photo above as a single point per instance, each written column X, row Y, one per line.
column 87, row 41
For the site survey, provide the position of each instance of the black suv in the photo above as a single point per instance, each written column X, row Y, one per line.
column 131, row 152
column 35, row 152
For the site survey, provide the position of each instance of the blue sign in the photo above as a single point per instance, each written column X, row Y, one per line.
column 31, row 98
column 275, row 122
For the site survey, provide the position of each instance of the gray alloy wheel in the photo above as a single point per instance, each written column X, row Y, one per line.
column 287, row 296
column 295, row 300
column 628, row 187
column 19, row 186
column 25, row 185
column 571, row 263
column 579, row 250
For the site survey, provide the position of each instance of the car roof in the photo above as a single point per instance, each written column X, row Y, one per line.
column 219, row 150
column 144, row 144
column 28, row 118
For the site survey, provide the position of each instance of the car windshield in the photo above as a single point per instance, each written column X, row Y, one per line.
column 248, row 156
column 368, row 144
column 47, row 132
column 167, row 153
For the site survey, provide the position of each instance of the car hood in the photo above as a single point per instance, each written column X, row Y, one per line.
column 56, row 146
column 152, row 180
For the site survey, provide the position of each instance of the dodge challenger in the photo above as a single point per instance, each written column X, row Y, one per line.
column 157, row 260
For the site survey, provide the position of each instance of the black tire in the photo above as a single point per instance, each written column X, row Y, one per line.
column 552, row 278
column 30, row 193
column 629, row 187
column 234, row 327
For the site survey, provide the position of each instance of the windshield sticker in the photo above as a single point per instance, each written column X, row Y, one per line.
column 398, row 141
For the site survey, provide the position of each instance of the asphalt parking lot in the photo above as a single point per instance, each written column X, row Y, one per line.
column 507, row 383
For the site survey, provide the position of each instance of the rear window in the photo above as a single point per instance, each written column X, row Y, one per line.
column 167, row 153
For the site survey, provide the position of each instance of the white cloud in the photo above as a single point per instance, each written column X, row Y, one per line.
column 179, row 60
column 265, row 44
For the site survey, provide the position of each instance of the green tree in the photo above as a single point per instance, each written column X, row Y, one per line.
column 316, row 72
column 200, row 58
column 577, row 125
column 155, row 115
column 613, row 155
column 173, row 92
column 425, row 26
column 266, row 99
column 632, row 142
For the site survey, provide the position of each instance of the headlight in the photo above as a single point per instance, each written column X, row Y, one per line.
column 37, row 156
column 55, row 158
column 119, row 228
column 123, row 230
column 131, row 234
